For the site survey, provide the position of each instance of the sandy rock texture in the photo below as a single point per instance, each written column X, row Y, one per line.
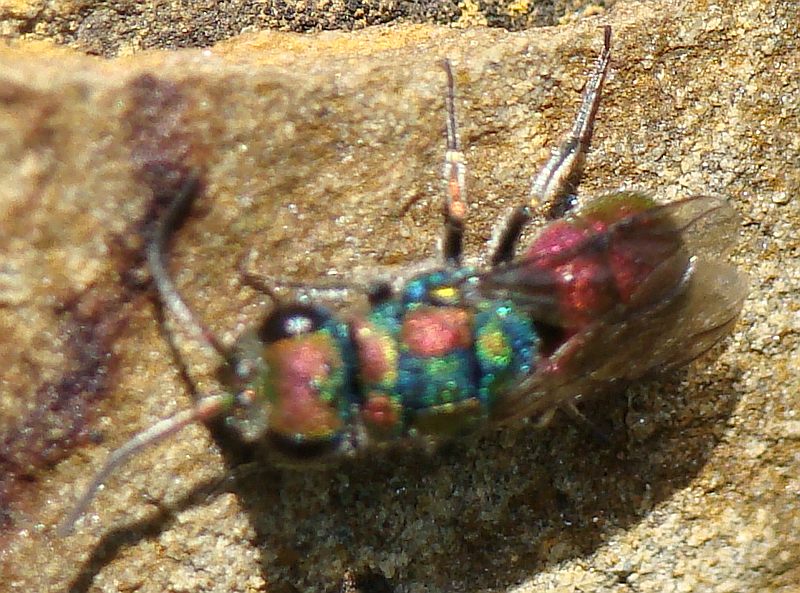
column 123, row 27
column 321, row 154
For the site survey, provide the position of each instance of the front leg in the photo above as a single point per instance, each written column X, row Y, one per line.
column 455, row 170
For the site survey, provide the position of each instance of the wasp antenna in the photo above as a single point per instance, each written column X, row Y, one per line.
column 207, row 408
column 156, row 260
column 450, row 100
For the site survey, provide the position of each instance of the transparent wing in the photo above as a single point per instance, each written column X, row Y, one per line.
column 634, row 261
column 687, row 300
column 620, row 349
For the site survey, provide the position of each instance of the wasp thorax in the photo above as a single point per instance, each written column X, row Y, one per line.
column 603, row 255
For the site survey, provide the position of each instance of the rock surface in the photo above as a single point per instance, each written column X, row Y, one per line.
column 123, row 27
column 323, row 152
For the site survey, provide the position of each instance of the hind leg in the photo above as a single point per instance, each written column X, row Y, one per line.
column 556, row 182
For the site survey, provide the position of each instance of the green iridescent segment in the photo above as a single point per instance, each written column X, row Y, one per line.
column 441, row 363
column 386, row 321
column 337, row 388
column 506, row 347
column 612, row 208
column 425, row 383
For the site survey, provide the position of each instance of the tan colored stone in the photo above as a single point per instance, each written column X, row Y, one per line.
column 125, row 27
column 309, row 147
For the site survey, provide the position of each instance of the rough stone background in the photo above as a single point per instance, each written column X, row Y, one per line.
column 124, row 27
column 323, row 151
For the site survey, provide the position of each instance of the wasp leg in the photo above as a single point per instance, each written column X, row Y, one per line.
column 579, row 419
column 364, row 583
column 268, row 284
column 560, row 177
column 348, row 584
column 558, row 180
column 455, row 170
column 208, row 408
column 377, row 291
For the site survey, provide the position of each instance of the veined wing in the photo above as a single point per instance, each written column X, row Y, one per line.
column 659, row 292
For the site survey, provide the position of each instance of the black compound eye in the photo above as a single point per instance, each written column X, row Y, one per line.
column 292, row 320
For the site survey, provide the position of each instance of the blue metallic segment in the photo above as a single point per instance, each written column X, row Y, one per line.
column 347, row 394
column 418, row 290
column 506, row 347
column 463, row 382
column 429, row 382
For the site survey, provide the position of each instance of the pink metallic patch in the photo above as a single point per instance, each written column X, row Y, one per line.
column 436, row 331
column 584, row 282
column 300, row 366
column 380, row 413
column 377, row 353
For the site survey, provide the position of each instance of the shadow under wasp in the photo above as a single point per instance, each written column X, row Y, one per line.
column 612, row 288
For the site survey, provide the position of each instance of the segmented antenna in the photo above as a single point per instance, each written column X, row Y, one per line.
column 167, row 292
column 207, row 407
column 455, row 205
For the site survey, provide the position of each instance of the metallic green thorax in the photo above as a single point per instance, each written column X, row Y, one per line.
column 430, row 363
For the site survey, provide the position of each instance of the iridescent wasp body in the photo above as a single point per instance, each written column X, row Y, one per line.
column 613, row 288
